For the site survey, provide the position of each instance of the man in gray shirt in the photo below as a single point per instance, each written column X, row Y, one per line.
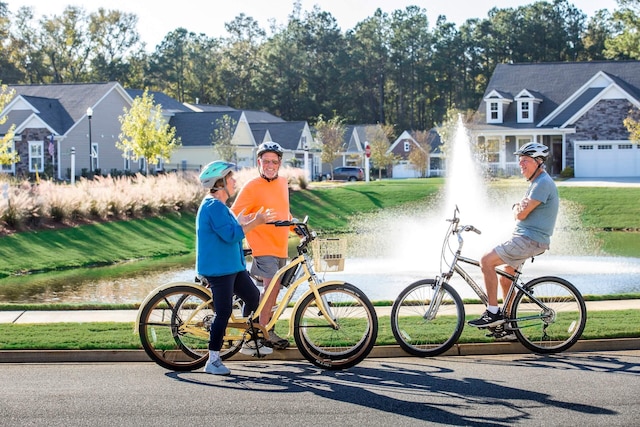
column 535, row 218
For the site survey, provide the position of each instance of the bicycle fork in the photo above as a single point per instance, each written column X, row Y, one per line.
column 434, row 305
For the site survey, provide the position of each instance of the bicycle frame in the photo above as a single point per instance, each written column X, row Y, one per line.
column 457, row 268
column 303, row 261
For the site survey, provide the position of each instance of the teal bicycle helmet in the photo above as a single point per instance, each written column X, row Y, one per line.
column 214, row 171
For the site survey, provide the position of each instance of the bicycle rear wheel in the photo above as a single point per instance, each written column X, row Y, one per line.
column 420, row 333
column 174, row 328
column 556, row 328
column 345, row 346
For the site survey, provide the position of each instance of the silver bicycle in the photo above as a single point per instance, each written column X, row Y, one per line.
column 546, row 314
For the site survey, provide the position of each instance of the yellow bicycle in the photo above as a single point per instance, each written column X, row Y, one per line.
column 333, row 323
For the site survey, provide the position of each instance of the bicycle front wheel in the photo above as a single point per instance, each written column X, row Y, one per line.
column 426, row 321
column 336, row 348
column 558, row 324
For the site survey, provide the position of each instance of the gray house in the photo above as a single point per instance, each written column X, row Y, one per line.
column 60, row 127
column 575, row 108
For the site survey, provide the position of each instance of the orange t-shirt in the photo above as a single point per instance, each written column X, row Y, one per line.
column 259, row 193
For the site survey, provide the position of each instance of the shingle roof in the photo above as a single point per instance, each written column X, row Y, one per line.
column 72, row 100
column 167, row 103
column 557, row 81
column 287, row 134
column 196, row 129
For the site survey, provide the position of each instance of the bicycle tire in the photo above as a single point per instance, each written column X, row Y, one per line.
column 423, row 337
column 559, row 329
column 174, row 328
column 341, row 348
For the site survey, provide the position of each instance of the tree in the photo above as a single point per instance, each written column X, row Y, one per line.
column 331, row 134
column 145, row 133
column 223, row 130
column 112, row 37
column 378, row 137
column 7, row 155
column 632, row 123
column 625, row 44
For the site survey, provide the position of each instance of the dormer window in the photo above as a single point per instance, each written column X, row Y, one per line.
column 496, row 105
column 527, row 103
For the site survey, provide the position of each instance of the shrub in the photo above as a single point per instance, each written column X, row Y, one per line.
column 567, row 172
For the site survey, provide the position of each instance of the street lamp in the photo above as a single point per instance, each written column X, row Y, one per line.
column 89, row 114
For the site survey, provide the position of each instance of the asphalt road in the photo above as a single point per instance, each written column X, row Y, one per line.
column 594, row 388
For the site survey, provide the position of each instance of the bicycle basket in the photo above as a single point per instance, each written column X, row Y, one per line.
column 329, row 254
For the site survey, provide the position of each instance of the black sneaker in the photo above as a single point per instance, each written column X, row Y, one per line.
column 487, row 319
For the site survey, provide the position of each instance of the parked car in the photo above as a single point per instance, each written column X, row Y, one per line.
column 348, row 173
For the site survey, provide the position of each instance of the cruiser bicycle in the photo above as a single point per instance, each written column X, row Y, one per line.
column 333, row 323
column 546, row 314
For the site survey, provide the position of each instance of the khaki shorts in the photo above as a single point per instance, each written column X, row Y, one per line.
column 265, row 267
column 518, row 249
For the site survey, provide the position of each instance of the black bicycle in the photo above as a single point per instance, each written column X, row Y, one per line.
column 546, row 314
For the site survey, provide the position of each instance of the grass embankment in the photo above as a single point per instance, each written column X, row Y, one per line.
column 613, row 214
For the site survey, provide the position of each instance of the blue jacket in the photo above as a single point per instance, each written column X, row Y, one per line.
column 219, row 239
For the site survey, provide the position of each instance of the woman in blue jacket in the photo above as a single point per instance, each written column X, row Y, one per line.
column 220, row 258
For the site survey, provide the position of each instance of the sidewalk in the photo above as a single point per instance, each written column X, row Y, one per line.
column 90, row 356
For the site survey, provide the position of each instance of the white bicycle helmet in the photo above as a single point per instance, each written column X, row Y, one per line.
column 269, row 147
column 214, row 171
column 533, row 150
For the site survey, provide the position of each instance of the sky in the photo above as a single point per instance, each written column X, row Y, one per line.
column 156, row 18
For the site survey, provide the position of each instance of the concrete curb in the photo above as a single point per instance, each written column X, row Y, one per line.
column 111, row 356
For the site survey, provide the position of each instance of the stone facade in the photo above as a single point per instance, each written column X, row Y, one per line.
column 603, row 122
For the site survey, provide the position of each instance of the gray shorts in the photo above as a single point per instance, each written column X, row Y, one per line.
column 518, row 249
column 265, row 267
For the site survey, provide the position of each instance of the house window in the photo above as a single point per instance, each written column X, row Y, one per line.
column 407, row 146
column 493, row 108
column 12, row 167
column 605, row 147
column 142, row 164
column 625, row 147
column 585, row 147
column 303, row 141
column 94, row 156
column 493, row 150
column 36, row 156
column 524, row 110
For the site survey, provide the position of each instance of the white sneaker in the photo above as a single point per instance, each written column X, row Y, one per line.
column 216, row 368
column 249, row 349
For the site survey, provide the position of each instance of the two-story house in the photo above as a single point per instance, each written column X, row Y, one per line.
column 575, row 108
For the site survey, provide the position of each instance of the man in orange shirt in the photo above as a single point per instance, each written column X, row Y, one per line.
column 269, row 244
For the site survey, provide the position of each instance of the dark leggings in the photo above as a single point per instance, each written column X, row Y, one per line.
column 223, row 288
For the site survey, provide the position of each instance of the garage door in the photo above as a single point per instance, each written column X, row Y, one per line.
column 602, row 159
column 404, row 169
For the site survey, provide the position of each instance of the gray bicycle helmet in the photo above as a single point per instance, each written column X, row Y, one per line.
column 534, row 150
column 214, row 171
column 269, row 147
